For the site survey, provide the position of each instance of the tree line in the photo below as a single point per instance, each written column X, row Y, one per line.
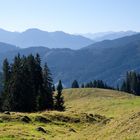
column 28, row 87
column 131, row 83
column 91, row 84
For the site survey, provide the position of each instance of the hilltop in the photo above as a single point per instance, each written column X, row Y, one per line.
column 90, row 114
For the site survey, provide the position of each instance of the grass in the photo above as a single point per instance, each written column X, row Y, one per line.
column 91, row 114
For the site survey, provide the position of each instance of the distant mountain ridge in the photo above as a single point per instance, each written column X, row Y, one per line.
column 4, row 47
column 115, row 43
column 108, row 35
column 36, row 37
column 107, row 60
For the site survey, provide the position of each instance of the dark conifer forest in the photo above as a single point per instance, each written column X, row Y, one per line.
column 28, row 87
column 131, row 83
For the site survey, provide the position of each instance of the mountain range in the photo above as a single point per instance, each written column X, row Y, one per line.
column 108, row 35
column 58, row 39
column 108, row 60
column 36, row 37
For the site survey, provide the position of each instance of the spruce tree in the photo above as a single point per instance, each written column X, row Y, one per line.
column 27, row 95
column 95, row 83
column 128, row 81
column 82, row 86
column 90, row 84
column 59, row 100
column 48, row 88
column 32, row 63
column 15, row 86
column 5, row 97
column 87, row 85
column 6, row 73
column 38, row 73
column 75, row 84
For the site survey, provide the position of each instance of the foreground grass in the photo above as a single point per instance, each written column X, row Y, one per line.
column 91, row 114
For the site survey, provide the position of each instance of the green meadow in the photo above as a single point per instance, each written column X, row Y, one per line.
column 91, row 114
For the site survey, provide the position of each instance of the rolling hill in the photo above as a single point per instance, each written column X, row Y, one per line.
column 90, row 114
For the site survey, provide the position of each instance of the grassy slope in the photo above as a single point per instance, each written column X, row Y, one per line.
column 121, row 109
column 124, row 109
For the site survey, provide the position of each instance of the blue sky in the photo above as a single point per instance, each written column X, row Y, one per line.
column 73, row 16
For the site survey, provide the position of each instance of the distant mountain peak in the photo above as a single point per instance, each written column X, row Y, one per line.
column 33, row 30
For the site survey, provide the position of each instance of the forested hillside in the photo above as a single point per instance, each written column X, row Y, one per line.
column 107, row 60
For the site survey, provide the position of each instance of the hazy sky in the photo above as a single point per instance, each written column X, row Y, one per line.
column 73, row 16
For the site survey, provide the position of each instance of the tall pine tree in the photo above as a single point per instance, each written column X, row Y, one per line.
column 75, row 84
column 59, row 100
column 45, row 100
column 5, row 97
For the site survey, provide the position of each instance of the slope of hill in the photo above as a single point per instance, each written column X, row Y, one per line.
column 36, row 37
column 108, row 35
column 90, row 114
column 4, row 47
column 120, row 42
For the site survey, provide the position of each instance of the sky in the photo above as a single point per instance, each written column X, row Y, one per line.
column 72, row 16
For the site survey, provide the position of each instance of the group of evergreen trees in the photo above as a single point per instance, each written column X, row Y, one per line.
column 94, row 84
column 28, row 87
column 131, row 84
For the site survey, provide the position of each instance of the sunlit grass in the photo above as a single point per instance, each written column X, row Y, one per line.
column 121, row 109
